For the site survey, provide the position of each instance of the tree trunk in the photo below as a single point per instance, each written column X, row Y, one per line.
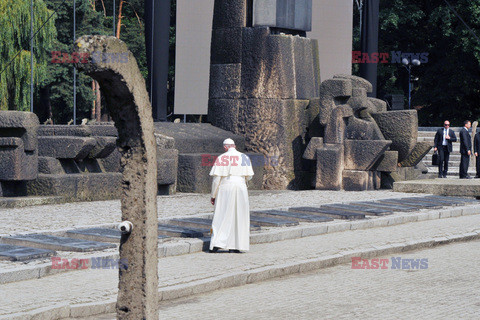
column 98, row 103
column 119, row 22
column 94, row 86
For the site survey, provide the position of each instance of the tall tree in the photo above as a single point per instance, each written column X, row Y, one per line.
column 15, row 50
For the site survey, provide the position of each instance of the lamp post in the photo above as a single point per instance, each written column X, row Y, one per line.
column 408, row 66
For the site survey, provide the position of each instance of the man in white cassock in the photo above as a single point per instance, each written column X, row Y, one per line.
column 231, row 221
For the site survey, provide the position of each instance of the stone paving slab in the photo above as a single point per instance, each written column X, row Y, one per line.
column 186, row 275
column 265, row 221
column 394, row 207
column 183, row 232
column 329, row 212
column 201, row 223
column 19, row 253
column 417, row 204
column 460, row 199
column 360, row 209
column 297, row 216
column 99, row 234
column 49, row 242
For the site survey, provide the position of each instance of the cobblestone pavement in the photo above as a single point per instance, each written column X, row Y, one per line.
column 99, row 285
column 69, row 215
column 448, row 289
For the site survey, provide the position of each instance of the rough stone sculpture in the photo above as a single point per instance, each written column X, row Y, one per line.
column 261, row 84
column 18, row 151
column 127, row 100
column 372, row 140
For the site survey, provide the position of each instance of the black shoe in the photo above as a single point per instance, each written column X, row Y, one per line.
column 445, row 176
column 468, row 177
column 477, row 177
column 214, row 250
column 234, row 251
column 440, row 176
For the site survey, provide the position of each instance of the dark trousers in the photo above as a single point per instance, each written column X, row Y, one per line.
column 477, row 162
column 443, row 157
column 464, row 161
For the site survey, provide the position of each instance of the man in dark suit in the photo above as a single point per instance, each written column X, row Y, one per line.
column 443, row 144
column 476, row 148
column 465, row 150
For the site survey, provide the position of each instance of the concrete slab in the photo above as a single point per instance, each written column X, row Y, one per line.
column 411, row 203
column 43, row 241
column 329, row 212
column 444, row 187
column 19, row 253
column 291, row 215
column 201, row 223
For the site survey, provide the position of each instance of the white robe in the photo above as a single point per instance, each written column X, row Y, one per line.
column 231, row 220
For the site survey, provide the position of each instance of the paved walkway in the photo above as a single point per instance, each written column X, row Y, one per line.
column 448, row 289
column 85, row 286
column 69, row 215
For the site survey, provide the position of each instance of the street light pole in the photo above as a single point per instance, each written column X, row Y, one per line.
column 408, row 66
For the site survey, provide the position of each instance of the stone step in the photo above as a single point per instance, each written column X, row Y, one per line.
column 337, row 214
column 296, row 216
column 20, row 253
column 43, row 241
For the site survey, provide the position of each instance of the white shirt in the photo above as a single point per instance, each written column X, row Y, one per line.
column 445, row 133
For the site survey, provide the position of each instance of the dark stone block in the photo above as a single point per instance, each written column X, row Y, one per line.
column 22, row 125
column 291, row 215
column 223, row 113
column 360, row 209
column 267, row 65
column 410, row 203
column 167, row 166
column 56, row 243
column 164, row 142
column 394, row 207
column 388, row 162
column 101, row 130
column 420, row 150
column 225, row 81
column 99, row 234
column 15, row 163
column 230, row 14
column 453, row 199
column 112, row 162
column 198, row 137
column 77, row 187
column 18, row 253
column 104, row 147
column 226, row 46
column 333, row 92
column 311, row 151
column 63, row 147
column 438, row 201
column 64, row 130
column 329, row 212
column 49, row 165
column 177, row 231
column 265, row 221
column 89, row 166
column 335, row 130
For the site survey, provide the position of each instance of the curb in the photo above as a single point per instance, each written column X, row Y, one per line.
column 241, row 278
column 192, row 245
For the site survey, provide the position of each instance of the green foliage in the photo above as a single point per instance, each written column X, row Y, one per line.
column 449, row 83
column 15, row 26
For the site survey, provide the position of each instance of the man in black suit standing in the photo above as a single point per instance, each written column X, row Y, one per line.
column 443, row 144
column 465, row 150
column 476, row 148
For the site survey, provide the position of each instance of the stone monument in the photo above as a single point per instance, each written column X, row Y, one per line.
column 127, row 101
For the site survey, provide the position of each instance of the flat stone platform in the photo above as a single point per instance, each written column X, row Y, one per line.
column 443, row 187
